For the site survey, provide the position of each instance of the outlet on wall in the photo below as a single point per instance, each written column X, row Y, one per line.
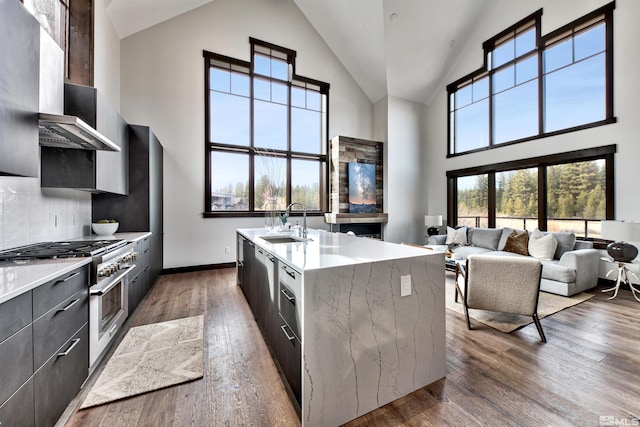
column 405, row 285
column 227, row 250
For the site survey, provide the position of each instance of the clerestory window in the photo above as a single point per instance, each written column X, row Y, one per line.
column 533, row 86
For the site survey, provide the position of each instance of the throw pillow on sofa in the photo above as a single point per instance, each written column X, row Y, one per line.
column 456, row 237
column 518, row 243
column 542, row 246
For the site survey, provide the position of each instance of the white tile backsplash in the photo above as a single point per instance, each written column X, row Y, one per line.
column 28, row 212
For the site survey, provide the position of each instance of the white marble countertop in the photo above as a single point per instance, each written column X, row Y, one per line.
column 130, row 236
column 326, row 249
column 16, row 279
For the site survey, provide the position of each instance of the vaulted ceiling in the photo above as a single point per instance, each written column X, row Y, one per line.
column 400, row 48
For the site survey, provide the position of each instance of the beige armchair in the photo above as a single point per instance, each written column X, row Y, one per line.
column 502, row 284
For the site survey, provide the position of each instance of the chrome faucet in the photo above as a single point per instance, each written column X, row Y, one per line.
column 304, row 217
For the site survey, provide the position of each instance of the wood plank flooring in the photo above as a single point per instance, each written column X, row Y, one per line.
column 589, row 368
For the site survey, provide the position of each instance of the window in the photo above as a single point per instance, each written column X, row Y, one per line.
column 266, row 133
column 473, row 203
column 577, row 194
column 563, row 192
column 517, row 198
column 532, row 86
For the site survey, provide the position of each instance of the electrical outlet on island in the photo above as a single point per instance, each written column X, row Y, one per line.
column 405, row 285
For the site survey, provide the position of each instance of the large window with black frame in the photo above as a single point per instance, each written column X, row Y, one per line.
column 266, row 134
column 569, row 192
column 533, row 86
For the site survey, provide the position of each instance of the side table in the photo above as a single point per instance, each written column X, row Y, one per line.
column 623, row 277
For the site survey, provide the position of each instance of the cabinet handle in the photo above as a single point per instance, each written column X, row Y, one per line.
column 240, row 264
column 289, row 337
column 71, row 304
column 271, row 258
column 290, row 298
column 291, row 273
column 68, row 278
column 74, row 342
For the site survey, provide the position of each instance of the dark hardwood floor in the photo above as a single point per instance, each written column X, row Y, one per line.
column 590, row 367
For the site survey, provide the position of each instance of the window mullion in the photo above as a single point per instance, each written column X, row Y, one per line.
column 540, row 50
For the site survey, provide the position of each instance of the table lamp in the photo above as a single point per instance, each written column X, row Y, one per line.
column 433, row 222
column 621, row 232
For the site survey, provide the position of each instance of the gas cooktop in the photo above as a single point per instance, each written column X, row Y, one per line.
column 69, row 249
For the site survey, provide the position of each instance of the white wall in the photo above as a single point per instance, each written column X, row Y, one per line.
column 106, row 50
column 625, row 133
column 162, row 85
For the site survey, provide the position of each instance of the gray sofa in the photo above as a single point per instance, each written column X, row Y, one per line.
column 573, row 269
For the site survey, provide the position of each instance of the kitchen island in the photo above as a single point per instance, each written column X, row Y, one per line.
column 348, row 336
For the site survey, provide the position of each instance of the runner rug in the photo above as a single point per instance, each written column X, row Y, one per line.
column 151, row 357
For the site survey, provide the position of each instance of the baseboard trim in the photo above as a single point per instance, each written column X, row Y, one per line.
column 193, row 268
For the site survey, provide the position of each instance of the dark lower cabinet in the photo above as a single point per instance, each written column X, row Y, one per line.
column 275, row 311
column 56, row 326
column 59, row 380
column 288, row 351
column 44, row 364
column 16, row 362
column 134, row 293
column 18, row 410
column 249, row 270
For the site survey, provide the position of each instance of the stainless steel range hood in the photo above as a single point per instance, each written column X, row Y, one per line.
column 71, row 132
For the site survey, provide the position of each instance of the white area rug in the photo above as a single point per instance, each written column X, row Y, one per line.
column 547, row 305
column 151, row 357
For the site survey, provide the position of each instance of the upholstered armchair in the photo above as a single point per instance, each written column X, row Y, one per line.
column 502, row 284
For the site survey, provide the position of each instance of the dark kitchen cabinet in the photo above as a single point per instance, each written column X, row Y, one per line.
column 54, row 328
column 55, row 291
column 134, row 292
column 288, row 351
column 96, row 171
column 19, row 80
column 271, row 288
column 60, row 379
column 248, row 284
column 18, row 410
column 16, row 362
column 44, row 350
column 141, row 210
column 240, row 269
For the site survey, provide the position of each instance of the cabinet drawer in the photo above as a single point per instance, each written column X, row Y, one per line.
column 288, row 308
column 59, row 380
column 52, row 293
column 53, row 329
column 288, row 350
column 16, row 362
column 15, row 314
column 18, row 410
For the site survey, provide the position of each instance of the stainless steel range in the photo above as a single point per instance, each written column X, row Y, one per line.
column 111, row 263
column 108, row 301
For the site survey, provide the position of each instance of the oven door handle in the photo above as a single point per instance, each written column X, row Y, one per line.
column 113, row 283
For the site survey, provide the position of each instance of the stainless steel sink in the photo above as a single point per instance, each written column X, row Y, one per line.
column 281, row 239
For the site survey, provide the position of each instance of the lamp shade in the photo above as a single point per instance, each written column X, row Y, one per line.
column 433, row 220
column 621, row 232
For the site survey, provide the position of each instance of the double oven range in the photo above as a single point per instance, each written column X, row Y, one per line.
column 111, row 266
